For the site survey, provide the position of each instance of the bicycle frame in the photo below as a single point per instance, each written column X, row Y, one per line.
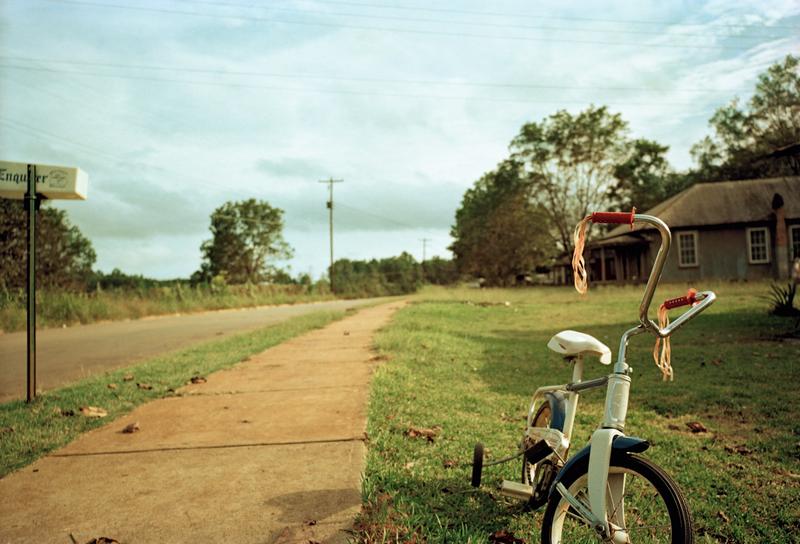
column 600, row 484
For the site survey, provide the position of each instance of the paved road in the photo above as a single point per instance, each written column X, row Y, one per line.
column 67, row 355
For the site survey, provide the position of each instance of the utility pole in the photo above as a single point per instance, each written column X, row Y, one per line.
column 424, row 247
column 330, row 182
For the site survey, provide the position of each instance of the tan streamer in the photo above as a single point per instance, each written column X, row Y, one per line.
column 663, row 358
column 578, row 264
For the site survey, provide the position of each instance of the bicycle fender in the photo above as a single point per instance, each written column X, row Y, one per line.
column 623, row 444
column 558, row 409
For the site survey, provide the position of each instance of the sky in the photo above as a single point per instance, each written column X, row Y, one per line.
column 175, row 107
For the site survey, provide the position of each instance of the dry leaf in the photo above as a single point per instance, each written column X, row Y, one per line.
column 697, row 427
column 103, row 540
column 4, row 430
column 311, row 522
column 723, row 516
column 199, row 379
column 409, row 465
column 112, row 386
column 131, row 428
column 145, row 386
column 741, row 449
column 93, row 411
column 127, row 378
column 504, row 537
column 449, row 463
column 429, row 434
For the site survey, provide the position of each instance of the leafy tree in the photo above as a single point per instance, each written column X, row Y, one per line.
column 744, row 136
column 641, row 179
column 247, row 238
column 499, row 232
column 392, row 276
column 439, row 271
column 569, row 161
column 64, row 257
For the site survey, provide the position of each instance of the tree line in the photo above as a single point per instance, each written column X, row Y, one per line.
column 520, row 215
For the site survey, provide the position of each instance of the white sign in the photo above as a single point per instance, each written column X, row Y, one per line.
column 52, row 182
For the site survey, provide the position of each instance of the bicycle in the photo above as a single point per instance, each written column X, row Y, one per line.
column 606, row 491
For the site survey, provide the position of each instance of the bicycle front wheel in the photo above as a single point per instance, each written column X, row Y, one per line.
column 642, row 501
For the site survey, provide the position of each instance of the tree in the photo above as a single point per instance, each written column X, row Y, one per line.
column 744, row 136
column 499, row 232
column 247, row 238
column 569, row 161
column 64, row 257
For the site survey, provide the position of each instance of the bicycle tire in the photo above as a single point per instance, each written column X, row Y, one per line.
column 667, row 520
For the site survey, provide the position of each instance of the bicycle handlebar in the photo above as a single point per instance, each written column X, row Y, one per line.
column 707, row 297
column 686, row 300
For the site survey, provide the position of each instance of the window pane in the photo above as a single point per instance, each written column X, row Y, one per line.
column 758, row 245
column 687, row 250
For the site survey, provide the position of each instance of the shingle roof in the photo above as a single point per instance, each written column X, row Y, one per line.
column 724, row 202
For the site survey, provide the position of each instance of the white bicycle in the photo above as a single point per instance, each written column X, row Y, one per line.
column 605, row 492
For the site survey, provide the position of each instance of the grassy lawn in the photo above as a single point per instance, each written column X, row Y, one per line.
column 28, row 432
column 467, row 363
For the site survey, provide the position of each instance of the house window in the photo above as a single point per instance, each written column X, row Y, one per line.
column 794, row 240
column 687, row 248
column 758, row 245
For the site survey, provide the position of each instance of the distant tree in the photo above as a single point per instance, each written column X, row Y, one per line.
column 391, row 276
column 641, row 178
column 439, row 271
column 64, row 257
column 744, row 135
column 569, row 161
column 247, row 239
column 500, row 230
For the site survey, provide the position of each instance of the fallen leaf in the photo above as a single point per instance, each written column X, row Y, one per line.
column 145, row 386
column 740, row 449
column 673, row 427
column 311, row 522
column 103, row 540
column 131, row 428
column 347, row 333
column 429, row 434
column 4, row 430
column 93, row 411
column 723, row 516
column 504, row 537
column 127, row 378
column 697, row 427
column 716, row 362
column 449, row 463
column 409, row 465
column 199, row 379
column 112, row 386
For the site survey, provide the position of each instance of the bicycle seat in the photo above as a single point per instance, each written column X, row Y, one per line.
column 572, row 343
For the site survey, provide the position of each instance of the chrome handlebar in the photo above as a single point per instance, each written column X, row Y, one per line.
column 705, row 298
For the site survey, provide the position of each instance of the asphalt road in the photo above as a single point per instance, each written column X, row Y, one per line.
column 67, row 355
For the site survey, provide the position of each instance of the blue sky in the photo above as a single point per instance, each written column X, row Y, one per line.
column 174, row 107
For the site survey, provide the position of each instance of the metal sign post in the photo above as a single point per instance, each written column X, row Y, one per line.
column 31, row 206
column 43, row 182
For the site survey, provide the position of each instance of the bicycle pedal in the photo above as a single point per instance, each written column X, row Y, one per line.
column 516, row 490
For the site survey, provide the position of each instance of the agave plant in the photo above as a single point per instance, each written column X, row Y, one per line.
column 782, row 299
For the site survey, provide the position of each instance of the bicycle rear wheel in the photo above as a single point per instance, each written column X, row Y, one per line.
column 642, row 500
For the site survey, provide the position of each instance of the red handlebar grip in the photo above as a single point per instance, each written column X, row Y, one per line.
column 621, row 218
column 686, row 300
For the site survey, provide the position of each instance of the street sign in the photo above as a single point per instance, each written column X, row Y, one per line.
column 52, row 182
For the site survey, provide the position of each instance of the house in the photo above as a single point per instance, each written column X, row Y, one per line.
column 730, row 230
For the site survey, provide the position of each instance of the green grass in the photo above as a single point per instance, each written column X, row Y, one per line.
column 60, row 308
column 470, row 368
column 29, row 431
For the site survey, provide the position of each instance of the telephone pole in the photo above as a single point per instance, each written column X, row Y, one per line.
column 424, row 247
column 330, row 182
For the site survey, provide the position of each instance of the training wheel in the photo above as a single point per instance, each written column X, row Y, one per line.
column 477, row 465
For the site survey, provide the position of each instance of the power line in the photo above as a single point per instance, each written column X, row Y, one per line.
column 396, row 30
column 210, row 71
column 473, row 23
column 381, row 217
column 344, row 92
column 545, row 17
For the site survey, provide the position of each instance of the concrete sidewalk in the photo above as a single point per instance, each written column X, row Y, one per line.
column 270, row 451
